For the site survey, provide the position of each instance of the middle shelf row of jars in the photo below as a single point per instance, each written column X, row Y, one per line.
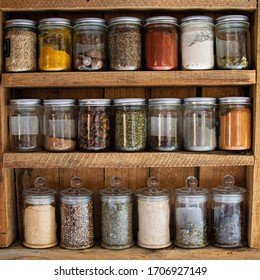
column 130, row 124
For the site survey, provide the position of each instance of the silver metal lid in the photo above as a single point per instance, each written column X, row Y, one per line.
column 120, row 20
column 24, row 102
column 164, row 101
column 54, row 21
column 95, row 102
column 235, row 100
column 197, row 19
column 161, row 19
column 89, row 21
column 200, row 100
column 232, row 18
column 129, row 101
column 59, row 102
column 20, row 23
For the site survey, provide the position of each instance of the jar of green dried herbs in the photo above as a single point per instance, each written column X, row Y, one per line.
column 190, row 215
column 116, row 216
column 130, row 124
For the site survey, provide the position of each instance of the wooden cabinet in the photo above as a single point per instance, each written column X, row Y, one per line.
column 18, row 170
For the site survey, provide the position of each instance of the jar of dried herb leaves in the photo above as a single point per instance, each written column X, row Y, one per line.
column 20, row 45
column 233, row 42
column 164, row 124
column 39, row 216
column 190, row 215
column 116, row 216
column 76, row 216
column 130, row 124
column 125, row 43
column 228, row 214
column 94, row 124
column 25, row 125
column 153, row 205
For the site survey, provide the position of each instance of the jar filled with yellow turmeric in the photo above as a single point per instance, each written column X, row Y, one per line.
column 235, row 123
column 55, row 44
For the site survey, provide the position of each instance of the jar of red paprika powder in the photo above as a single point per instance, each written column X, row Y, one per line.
column 161, row 43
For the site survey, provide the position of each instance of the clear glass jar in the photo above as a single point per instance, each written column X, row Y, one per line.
column 125, row 43
column 39, row 216
column 116, row 216
column 161, row 43
column 76, row 216
column 20, row 45
column 153, row 206
column 25, row 125
column 165, row 124
column 59, row 125
column 90, row 44
column 130, row 124
column 235, row 121
column 94, row 124
column 233, row 42
column 55, row 48
column 228, row 214
column 199, row 124
column 197, row 43
column 190, row 215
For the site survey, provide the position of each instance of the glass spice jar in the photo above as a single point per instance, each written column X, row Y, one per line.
column 116, row 216
column 55, row 49
column 190, row 215
column 197, row 43
column 59, row 125
column 39, row 216
column 25, row 125
column 161, row 43
column 20, row 45
column 228, row 214
column 164, row 124
column 90, row 44
column 235, row 118
column 94, row 124
column 199, row 124
column 232, row 42
column 125, row 43
column 76, row 214
column 130, row 124
column 153, row 205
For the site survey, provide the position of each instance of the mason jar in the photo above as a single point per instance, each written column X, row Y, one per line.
column 55, row 48
column 20, row 45
column 59, row 125
column 116, row 216
column 161, row 43
column 76, row 216
column 228, row 214
column 90, row 44
column 165, row 124
column 130, row 124
column 25, row 125
column 233, row 42
column 39, row 216
column 125, row 43
column 197, row 43
column 94, row 132
column 199, row 124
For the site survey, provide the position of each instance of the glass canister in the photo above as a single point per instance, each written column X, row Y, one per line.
column 233, row 42
column 125, row 43
column 228, row 214
column 161, row 43
column 20, row 45
column 164, row 124
column 25, row 125
column 94, row 124
column 235, row 121
column 199, row 124
column 197, row 43
column 59, row 125
column 55, row 49
column 39, row 216
column 90, row 44
column 76, row 214
column 153, row 205
column 130, row 124
column 190, row 215
column 116, row 216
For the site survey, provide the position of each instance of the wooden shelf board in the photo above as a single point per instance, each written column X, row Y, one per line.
column 129, row 79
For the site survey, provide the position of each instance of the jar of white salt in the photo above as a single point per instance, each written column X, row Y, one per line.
column 153, row 205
